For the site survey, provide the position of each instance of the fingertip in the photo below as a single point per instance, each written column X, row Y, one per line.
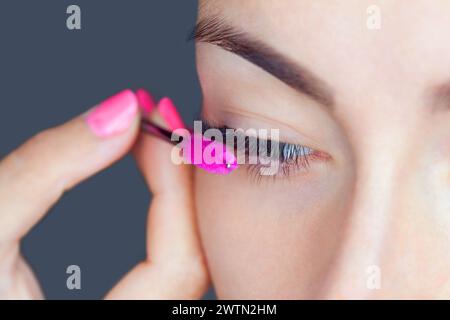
column 145, row 100
column 153, row 157
column 170, row 114
column 114, row 115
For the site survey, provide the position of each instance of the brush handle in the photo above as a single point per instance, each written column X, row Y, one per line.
column 229, row 160
column 153, row 129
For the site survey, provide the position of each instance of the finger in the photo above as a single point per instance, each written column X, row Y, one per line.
column 146, row 101
column 34, row 176
column 175, row 267
column 171, row 229
column 169, row 112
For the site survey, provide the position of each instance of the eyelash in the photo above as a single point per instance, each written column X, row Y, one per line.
column 292, row 156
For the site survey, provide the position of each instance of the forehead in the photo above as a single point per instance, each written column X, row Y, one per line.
column 408, row 53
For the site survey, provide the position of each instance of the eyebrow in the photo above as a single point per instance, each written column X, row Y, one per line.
column 215, row 31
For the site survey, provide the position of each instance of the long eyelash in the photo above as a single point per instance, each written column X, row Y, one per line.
column 291, row 156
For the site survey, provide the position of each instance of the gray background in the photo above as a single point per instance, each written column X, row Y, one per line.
column 48, row 75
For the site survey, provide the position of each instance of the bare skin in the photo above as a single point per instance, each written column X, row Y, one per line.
column 381, row 205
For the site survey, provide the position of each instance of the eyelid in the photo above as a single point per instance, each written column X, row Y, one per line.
column 292, row 139
column 235, row 117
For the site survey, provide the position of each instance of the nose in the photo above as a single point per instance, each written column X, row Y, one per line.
column 356, row 272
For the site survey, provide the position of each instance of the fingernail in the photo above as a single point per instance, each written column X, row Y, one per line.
column 146, row 101
column 114, row 115
column 170, row 114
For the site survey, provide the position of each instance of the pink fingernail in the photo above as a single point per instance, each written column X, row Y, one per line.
column 114, row 115
column 170, row 114
column 146, row 101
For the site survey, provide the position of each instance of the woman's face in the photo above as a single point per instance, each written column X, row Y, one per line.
column 371, row 218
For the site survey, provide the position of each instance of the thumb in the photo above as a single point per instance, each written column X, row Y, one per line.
column 33, row 177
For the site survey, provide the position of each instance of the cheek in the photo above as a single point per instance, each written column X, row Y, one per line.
column 430, row 181
column 447, row 157
column 266, row 239
column 434, row 187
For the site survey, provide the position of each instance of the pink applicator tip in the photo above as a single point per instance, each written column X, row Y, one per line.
column 209, row 155
column 206, row 154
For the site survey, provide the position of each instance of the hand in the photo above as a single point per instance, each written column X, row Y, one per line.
column 33, row 178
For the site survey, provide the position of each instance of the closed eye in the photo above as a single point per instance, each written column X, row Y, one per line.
column 259, row 155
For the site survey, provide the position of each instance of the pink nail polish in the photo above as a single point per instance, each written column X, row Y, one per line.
column 114, row 115
column 170, row 114
column 146, row 101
